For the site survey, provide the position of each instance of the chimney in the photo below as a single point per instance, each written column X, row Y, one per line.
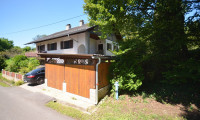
column 81, row 22
column 68, row 26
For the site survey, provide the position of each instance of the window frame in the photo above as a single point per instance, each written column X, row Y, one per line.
column 69, row 44
column 107, row 48
column 52, row 46
column 39, row 48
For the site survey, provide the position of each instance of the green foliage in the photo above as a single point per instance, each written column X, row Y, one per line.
column 18, row 83
column 16, row 50
column 183, row 72
column 5, row 44
column 22, row 64
column 26, row 49
column 156, row 39
column 14, row 65
column 2, row 63
column 39, row 37
column 29, row 65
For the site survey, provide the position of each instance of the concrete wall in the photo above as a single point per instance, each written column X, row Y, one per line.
column 101, row 93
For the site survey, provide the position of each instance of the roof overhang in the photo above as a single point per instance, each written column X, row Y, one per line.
column 59, row 35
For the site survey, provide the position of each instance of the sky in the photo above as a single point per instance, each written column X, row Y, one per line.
column 23, row 15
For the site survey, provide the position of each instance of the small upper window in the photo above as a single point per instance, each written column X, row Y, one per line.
column 52, row 46
column 66, row 44
column 109, row 46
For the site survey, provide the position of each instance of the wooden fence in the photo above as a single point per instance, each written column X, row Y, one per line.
column 12, row 75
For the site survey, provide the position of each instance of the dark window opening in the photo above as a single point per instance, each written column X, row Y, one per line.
column 41, row 48
column 66, row 44
column 109, row 46
column 100, row 47
column 52, row 46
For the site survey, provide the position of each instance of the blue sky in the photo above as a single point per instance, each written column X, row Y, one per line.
column 18, row 15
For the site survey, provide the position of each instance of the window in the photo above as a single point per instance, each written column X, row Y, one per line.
column 116, row 48
column 100, row 47
column 109, row 46
column 66, row 44
column 41, row 48
column 52, row 46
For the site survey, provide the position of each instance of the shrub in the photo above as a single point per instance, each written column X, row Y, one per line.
column 18, row 83
column 183, row 72
column 126, row 71
column 22, row 64
column 2, row 63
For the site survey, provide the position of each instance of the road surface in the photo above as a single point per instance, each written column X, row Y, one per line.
column 19, row 104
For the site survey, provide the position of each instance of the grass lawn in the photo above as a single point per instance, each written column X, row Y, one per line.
column 126, row 108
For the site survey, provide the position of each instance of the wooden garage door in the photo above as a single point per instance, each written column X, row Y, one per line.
column 55, row 75
column 79, row 79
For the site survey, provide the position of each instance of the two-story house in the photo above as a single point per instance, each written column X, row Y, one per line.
column 77, row 40
column 77, row 61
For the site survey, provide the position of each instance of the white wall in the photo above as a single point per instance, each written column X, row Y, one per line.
column 107, row 52
column 91, row 45
column 78, row 39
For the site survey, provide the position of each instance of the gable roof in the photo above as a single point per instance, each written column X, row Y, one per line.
column 71, row 31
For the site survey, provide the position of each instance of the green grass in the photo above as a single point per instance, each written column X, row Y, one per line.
column 3, row 84
column 111, row 110
column 69, row 111
column 3, row 81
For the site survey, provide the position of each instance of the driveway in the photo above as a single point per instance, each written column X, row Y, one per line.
column 19, row 104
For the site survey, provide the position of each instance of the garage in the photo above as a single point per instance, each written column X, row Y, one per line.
column 83, row 76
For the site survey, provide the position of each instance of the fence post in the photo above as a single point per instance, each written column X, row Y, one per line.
column 15, row 77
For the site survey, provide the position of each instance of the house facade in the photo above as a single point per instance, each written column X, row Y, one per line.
column 77, row 61
column 77, row 40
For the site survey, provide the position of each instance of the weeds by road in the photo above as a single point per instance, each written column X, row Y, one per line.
column 8, row 83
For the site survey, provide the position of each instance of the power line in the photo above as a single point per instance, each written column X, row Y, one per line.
column 44, row 25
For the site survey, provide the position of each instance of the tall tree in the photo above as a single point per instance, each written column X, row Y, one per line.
column 5, row 44
column 39, row 37
column 156, row 37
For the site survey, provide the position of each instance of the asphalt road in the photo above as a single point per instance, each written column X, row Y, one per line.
column 19, row 104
